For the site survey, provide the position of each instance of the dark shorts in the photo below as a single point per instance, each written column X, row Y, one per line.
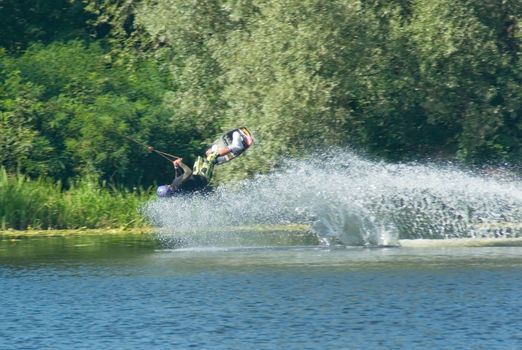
column 195, row 183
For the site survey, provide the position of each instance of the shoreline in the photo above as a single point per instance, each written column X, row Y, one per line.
column 37, row 233
column 34, row 233
column 292, row 229
column 464, row 242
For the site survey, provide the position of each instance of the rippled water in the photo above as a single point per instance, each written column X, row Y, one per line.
column 134, row 293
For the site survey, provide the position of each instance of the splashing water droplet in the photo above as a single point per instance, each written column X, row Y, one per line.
column 349, row 199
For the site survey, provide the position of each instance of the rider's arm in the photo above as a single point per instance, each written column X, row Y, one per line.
column 185, row 173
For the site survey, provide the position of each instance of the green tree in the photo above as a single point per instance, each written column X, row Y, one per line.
column 81, row 105
column 400, row 79
column 25, row 21
column 22, row 147
column 282, row 76
column 191, row 31
column 465, row 72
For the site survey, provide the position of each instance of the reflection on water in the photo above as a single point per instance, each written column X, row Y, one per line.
column 133, row 293
column 76, row 245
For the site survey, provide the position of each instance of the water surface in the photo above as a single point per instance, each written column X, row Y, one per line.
column 135, row 293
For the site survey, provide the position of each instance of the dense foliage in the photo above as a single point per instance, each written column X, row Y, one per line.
column 402, row 79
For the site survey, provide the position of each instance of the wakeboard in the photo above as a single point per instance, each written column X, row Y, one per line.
column 226, row 139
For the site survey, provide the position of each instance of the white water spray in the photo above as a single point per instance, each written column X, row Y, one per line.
column 343, row 197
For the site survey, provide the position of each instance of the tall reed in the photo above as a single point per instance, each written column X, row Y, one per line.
column 44, row 204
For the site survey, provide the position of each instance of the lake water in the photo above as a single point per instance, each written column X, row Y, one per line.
column 136, row 293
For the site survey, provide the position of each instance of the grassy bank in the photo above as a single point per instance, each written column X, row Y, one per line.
column 22, row 234
column 42, row 204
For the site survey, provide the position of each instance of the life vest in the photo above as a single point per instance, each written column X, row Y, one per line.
column 204, row 168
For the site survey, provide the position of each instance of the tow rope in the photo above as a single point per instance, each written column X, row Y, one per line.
column 167, row 156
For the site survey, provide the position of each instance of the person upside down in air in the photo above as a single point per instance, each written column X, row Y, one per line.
column 187, row 180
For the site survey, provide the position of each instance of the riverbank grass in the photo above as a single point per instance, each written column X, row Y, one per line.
column 32, row 233
column 42, row 204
